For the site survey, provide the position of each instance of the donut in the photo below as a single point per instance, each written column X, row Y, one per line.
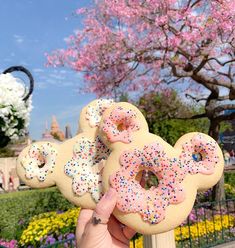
column 86, row 165
column 90, row 116
column 77, row 167
column 194, row 163
column 37, row 164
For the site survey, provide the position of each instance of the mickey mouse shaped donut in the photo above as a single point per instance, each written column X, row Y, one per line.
column 74, row 166
column 194, row 163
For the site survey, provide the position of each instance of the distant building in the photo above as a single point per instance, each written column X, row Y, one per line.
column 55, row 134
column 55, row 130
column 68, row 134
column 47, row 135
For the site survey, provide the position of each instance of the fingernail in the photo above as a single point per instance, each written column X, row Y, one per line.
column 110, row 194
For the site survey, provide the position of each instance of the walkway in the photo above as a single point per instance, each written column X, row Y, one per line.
column 228, row 245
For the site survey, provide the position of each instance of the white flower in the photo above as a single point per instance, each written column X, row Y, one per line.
column 14, row 112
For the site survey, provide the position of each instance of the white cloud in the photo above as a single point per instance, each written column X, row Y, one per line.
column 18, row 38
column 57, row 76
column 70, row 112
column 38, row 70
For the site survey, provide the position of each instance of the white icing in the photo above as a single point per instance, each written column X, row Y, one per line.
column 86, row 165
column 95, row 111
column 43, row 156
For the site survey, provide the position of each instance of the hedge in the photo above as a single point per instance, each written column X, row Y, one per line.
column 17, row 208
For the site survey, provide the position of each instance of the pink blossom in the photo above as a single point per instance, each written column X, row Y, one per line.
column 122, row 40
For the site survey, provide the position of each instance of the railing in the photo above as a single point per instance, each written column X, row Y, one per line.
column 69, row 243
column 209, row 224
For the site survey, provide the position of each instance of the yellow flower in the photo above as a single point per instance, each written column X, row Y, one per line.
column 46, row 224
column 206, row 227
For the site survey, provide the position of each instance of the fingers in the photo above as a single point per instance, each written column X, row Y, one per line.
column 84, row 217
column 96, row 235
column 107, row 203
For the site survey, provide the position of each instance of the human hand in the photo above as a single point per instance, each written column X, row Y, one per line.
column 110, row 233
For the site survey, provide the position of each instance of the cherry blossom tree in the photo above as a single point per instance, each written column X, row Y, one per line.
column 143, row 45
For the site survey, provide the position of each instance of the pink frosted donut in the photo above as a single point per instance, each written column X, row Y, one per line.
column 120, row 125
column 206, row 149
column 151, row 204
column 194, row 163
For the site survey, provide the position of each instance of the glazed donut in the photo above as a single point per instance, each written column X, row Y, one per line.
column 91, row 115
column 37, row 164
column 194, row 163
column 78, row 164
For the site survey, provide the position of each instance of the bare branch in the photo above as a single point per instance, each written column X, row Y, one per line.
column 198, row 116
column 220, row 63
column 196, row 99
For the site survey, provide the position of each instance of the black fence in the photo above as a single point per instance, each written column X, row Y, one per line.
column 209, row 224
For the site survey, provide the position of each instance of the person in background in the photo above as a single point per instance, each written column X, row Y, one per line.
column 232, row 156
column 11, row 182
column 1, row 180
column 226, row 157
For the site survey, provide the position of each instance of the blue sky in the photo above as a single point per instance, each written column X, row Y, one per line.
column 29, row 29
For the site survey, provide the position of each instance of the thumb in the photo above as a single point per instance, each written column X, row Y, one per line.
column 96, row 232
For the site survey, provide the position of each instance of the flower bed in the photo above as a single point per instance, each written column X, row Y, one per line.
column 50, row 227
column 8, row 244
column 203, row 228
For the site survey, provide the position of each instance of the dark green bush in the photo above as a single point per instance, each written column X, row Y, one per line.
column 17, row 208
column 229, row 178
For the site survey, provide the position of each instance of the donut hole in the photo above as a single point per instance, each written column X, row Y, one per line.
column 198, row 156
column 41, row 165
column 121, row 127
column 150, row 179
column 42, row 161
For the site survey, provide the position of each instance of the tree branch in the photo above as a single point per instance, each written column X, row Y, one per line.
column 198, row 116
column 220, row 63
column 195, row 99
column 201, row 65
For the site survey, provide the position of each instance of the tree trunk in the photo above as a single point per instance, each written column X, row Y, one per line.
column 218, row 193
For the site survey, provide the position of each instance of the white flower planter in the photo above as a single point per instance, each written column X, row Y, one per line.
column 15, row 107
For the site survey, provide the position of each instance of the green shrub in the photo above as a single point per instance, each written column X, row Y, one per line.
column 19, row 207
column 229, row 178
column 229, row 191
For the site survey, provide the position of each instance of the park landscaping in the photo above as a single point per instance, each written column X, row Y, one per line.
column 36, row 218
